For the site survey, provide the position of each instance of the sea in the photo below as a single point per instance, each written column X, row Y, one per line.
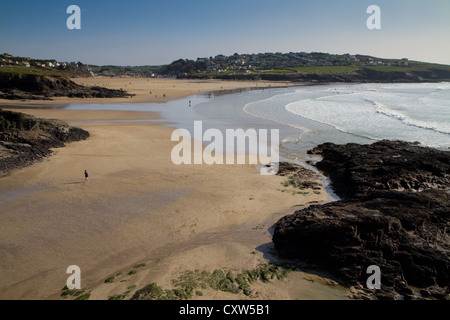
column 308, row 115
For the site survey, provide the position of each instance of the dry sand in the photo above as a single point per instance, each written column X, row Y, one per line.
column 153, row 89
column 138, row 207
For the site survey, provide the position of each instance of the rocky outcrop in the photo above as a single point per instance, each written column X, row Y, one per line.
column 356, row 170
column 395, row 214
column 25, row 139
column 299, row 177
column 39, row 87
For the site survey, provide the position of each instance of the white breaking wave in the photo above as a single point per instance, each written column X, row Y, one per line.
column 409, row 112
column 272, row 117
column 382, row 109
column 335, row 115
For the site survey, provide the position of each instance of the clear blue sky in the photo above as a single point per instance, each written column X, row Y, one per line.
column 158, row 32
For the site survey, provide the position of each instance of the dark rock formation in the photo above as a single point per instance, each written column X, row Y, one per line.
column 25, row 139
column 357, row 170
column 395, row 214
column 299, row 177
column 39, row 87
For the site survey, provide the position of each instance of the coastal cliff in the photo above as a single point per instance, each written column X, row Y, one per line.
column 394, row 213
column 16, row 86
column 25, row 139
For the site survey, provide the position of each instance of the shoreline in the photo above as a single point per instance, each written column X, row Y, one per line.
column 150, row 90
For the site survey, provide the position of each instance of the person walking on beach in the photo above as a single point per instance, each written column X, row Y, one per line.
column 86, row 176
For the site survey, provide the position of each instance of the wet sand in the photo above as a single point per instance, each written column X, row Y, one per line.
column 138, row 207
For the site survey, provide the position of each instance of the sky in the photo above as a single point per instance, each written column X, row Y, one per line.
column 158, row 32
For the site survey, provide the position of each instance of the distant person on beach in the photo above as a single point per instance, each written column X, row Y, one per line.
column 86, row 176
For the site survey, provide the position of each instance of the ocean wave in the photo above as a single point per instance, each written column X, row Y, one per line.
column 292, row 108
column 359, row 113
column 443, row 86
column 385, row 110
column 247, row 110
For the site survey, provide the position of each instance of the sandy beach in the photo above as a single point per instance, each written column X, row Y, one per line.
column 138, row 207
column 151, row 89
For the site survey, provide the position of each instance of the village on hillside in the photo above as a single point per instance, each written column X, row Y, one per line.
column 263, row 61
column 220, row 64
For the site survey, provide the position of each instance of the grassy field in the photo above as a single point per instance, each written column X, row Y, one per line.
column 353, row 69
column 30, row 70
column 412, row 66
column 44, row 71
column 315, row 69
